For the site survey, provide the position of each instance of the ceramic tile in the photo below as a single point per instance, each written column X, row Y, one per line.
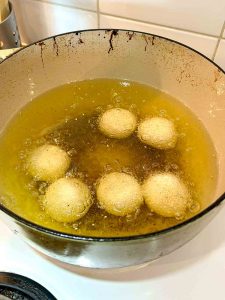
column 86, row 4
column 204, row 16
column 37, row 20
column 204, row 44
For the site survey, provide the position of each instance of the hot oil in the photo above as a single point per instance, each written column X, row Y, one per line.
column 67, row 116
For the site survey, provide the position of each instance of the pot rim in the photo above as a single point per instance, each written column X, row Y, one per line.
column 124, row 238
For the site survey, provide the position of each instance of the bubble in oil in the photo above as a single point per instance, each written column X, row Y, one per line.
column 99, row 109
column 22, row 155
column 28, row 142
column 72, row 173
column 74, row 106
column 150, row 214
column 174, row 166
column 42, row 187
column 179, row 216
column 76, row 226
column 132, row 217
column 107, row 168
column 72, row 152
column 182, row 135
column 125, row 83
column 195, row 207
column 162, row 113
column 116, row 98
column 133, row 107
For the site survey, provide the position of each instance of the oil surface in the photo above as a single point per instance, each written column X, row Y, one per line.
column 67, row 116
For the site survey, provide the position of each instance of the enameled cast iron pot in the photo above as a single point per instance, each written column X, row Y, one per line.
column 162, row 63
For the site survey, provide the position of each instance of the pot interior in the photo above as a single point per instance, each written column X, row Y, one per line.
column 161, row 63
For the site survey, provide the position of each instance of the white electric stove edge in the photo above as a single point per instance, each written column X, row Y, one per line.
column 194, row 272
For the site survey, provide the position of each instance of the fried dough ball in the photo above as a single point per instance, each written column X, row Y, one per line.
column 119, row 194
column 117, row 123
column 67, row 200
column 166, row 195
column 48, row 163
column 158, row 132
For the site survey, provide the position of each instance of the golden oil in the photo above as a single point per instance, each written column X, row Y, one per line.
column 67, row 116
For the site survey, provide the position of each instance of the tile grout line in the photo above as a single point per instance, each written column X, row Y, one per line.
column 98, row 15
column 128, row 19
column 68, row 6
column 218, row 41
column 160, row 25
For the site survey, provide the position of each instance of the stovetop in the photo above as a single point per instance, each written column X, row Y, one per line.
column 195, row 271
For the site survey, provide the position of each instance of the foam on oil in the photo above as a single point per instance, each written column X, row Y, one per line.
column 67, row 116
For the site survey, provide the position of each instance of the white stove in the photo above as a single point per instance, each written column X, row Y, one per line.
column 194, row 272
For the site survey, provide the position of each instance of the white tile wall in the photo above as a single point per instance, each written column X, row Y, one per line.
column 204, row 44
column 86, row 4
column 198, row 23
column 206, row 16
column 38, row 20
column 220, row 54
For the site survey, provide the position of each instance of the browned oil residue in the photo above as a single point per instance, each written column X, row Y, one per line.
column 55, row 46
column 113, row 34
